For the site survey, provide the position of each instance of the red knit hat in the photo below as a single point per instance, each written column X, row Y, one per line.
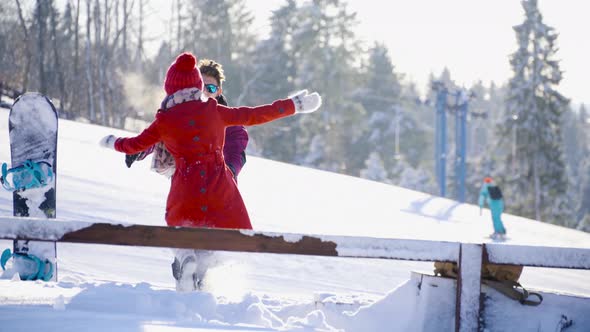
column 183, row 74
column 488, row 180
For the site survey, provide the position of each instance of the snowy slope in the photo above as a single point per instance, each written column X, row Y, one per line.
column 126, row 288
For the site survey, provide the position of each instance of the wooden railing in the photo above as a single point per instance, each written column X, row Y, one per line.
column 469, row 256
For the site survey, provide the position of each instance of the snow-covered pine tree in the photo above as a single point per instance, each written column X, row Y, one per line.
column 416, row 179
column 220, row 30
column 583, row 137
column 13, row 56
column 375, row 169
column 394, row 131
column 380, row 95
column 270, row 76
column 327, row 51
column 537, row 187
column 576, row 156
column 312, row 46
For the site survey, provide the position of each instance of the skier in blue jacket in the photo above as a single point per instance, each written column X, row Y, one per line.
column 491, row 194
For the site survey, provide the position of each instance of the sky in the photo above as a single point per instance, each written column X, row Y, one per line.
column 474, row 38
column 116, row 288
column 471, row 38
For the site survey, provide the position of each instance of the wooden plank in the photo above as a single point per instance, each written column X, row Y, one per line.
column 226, row 240
column 555, row 257
column 198, row 238
column 469, row 288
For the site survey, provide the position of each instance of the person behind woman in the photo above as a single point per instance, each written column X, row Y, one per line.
column 236, row 137
column 203, row 192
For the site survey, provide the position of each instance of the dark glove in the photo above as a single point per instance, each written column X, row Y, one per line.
column 130, row 158
column 221, row 100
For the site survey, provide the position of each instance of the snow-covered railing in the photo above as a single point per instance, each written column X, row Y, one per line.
column 557, row 257
column 468, row 256
column 56, row 230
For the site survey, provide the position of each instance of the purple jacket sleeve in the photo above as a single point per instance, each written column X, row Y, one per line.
column 236, row 140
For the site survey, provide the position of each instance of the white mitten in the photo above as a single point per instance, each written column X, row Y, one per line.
column 306, row 103
column 108, row 142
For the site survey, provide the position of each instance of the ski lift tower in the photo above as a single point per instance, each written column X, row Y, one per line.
column 461, row 103
column 440, row 135
column 460, row 109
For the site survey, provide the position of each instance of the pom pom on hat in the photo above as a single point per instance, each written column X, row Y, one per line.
column 488, row 180
column 183, row 74
column 186, row 62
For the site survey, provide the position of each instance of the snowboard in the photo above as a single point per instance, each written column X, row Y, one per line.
column 32, row 126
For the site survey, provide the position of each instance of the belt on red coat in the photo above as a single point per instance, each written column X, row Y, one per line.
column 215, row 157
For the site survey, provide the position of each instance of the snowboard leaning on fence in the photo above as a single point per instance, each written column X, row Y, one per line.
column 32, row 125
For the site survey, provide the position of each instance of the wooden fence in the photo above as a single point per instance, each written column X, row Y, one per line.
column 468, row 256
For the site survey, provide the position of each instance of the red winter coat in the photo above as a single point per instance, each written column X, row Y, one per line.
column 203, row 192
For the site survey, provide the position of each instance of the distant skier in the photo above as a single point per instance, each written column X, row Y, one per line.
column 203, row 192
column 491, row 194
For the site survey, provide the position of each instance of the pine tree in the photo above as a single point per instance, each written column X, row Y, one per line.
column 380, row 95
column 576, row 156
column 270, row 76
column 220, row 30
column 583, row 179
column 311, row 46
column 375, row 169
column 326, row 51
column 14, row 48
column 538, row 185
column 415, row 178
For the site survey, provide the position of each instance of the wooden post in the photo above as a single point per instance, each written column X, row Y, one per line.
column 468, row 288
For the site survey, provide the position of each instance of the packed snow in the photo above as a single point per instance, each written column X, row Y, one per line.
column 116, row 288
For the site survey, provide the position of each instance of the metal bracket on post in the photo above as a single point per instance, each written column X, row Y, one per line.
column 468, row 303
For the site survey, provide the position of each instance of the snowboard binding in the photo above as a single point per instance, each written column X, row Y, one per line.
column 30, row 267
column 26, row 176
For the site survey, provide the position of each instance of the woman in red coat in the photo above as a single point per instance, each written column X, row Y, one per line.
column 203, row 192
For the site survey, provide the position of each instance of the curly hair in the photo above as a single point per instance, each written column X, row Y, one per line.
column 211, row 68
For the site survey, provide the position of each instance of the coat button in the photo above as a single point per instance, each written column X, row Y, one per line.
column 203, row 190
column 202, row 173
column 196, row 138
column 191, row 123
column 204, row 208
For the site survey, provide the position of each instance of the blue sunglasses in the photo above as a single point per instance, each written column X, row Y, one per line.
column 211, row 88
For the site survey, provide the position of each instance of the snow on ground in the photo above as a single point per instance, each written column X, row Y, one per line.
column 132, row 289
